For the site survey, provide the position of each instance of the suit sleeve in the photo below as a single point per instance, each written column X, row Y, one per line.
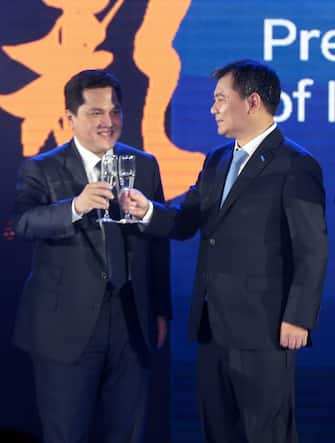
column 37, row 214
column 304, row 206
column 182, row 221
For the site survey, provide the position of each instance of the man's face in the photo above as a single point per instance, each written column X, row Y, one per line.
column 231, row 112
column 98, row 122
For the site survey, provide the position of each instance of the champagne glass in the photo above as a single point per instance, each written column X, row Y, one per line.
column 127, row 172
column 109, row 174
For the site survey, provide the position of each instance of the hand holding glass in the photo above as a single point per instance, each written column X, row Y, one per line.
column 109, row 174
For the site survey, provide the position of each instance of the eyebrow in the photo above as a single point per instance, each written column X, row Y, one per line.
column 115, row 108
column 96, row 109
column 219, row 94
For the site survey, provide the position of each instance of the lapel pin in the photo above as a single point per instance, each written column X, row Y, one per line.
column 262, row 158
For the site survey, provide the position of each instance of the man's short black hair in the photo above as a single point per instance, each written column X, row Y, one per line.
column 250, row 76
column 88, row 79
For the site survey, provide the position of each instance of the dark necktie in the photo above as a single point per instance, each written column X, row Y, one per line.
column 97, row 168
column 115, row 244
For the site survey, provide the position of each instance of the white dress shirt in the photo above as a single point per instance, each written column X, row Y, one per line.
column 90, row 160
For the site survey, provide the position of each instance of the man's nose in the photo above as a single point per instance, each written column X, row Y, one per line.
column 108, row 119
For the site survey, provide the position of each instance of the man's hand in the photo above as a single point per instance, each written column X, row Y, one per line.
column 134, row 202
column 292, row 337
column 94, row 196
column 162, row 330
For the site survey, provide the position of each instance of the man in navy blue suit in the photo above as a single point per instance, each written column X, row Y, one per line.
column 96, row 303
column 259, row 205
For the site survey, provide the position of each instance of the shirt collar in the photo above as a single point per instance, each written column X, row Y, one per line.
column 251, row 146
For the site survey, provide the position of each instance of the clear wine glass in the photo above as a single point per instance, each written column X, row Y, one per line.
column 109, row 174
column 127, row 172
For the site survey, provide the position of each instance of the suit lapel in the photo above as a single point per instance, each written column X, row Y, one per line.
column 74, row 167
column 219, row 176
column 259, row 160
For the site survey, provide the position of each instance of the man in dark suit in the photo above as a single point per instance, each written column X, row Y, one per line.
column 259, row 205
column 96, row 303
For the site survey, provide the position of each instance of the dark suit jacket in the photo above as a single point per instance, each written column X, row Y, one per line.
column 64, row 292
column 262, row 257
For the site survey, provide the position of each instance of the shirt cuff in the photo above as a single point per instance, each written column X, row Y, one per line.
column 148, row 216
column 75, row 215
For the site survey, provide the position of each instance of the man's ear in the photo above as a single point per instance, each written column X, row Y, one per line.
column 69, row 117
column 254, row 102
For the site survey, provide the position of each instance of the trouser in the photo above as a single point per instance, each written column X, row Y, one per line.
column 112, row 374
column 245, row 396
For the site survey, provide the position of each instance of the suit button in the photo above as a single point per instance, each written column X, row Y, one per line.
column 104, row 275
column 212, row 241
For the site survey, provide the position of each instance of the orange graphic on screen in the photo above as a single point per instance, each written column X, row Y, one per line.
column 70, row 46
column 155, row 56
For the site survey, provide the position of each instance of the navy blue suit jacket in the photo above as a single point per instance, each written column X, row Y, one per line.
column 64, row 292
column 262, row 256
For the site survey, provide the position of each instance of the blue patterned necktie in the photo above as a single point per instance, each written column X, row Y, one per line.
column 238, row 158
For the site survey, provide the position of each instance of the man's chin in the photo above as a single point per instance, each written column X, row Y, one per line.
column 101, row 149
column 107, row 144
